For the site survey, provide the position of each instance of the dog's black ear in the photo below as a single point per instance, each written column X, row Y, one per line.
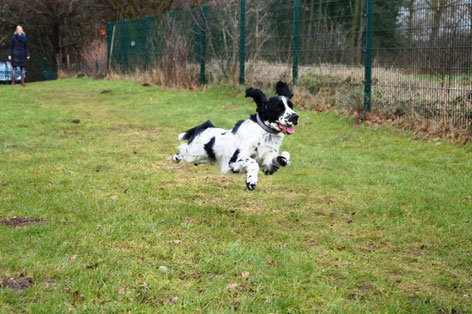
column 258, row 96
column 282, row 89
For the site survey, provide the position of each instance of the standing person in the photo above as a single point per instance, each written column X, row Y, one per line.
column 18, row 53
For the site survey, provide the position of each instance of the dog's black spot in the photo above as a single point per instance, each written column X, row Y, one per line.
column 235, row 156
column 193, row 132
column 236, row 126
column 253, row 118
column 209, row 149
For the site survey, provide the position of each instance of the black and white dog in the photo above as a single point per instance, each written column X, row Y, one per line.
column 251, row 144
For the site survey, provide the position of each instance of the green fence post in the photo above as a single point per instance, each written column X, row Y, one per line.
column 147, row 49
column 202, row 46
column 42, row 68
column 109, row 35
column 296, row 38
column 242, row 42
column 171, row 19
column 368, row 56
column 126, row 43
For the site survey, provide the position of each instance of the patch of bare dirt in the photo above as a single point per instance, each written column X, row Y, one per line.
column 17, row 222
column 17, row 284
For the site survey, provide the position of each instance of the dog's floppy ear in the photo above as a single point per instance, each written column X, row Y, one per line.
column 258, row 96
column 282, row 89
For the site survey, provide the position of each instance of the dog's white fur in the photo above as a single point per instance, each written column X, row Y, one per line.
column 247, row 147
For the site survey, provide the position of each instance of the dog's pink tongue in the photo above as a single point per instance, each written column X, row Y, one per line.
column 288, row 129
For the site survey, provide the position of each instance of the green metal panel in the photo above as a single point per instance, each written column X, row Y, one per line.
column 368, row 56
column 147, row 45
column 296, row 39
column 242, row 42
column 127, row 45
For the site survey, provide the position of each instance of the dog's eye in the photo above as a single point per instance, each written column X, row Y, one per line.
column 289, row 103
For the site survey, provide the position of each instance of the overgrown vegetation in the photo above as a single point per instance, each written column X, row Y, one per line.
column 361, row 221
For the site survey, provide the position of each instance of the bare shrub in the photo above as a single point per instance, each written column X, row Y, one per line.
column 172, row 68
column 94, row 58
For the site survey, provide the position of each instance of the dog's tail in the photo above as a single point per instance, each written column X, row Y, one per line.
column 193, row 132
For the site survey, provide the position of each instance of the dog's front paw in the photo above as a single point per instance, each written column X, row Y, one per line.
column 250, row 185
column 283, row 160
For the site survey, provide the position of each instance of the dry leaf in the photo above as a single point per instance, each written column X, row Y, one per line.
column 74, row 257
column 163, row 269
column 75, row 297
column 114, row 197
column 93, row 265
column 142, row 284
column 272, row 263
column 245, row 275
column 174, row 299
column 232, row 286
column 177, row 241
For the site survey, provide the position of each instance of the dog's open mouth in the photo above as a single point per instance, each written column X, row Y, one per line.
column 286, row 129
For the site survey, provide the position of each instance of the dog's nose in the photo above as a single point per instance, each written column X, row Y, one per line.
column 293, row 118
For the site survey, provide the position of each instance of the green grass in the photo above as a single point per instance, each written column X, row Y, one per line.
column 362, row 221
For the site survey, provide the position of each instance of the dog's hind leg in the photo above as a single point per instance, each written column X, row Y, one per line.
column 177, row 158
column 242, row 162
column 190, row 155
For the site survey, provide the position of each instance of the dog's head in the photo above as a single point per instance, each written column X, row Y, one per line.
column 277, row 112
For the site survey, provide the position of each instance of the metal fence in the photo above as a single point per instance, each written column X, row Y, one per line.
column 406, row 56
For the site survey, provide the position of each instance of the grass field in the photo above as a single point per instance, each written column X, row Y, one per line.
column 363, row 220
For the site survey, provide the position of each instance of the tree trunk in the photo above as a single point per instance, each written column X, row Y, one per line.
column 409, row 21
column 354, row 8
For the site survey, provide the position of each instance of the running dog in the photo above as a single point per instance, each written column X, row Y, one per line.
column 252, row 144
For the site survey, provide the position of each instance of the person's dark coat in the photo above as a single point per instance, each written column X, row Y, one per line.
column 18, row 50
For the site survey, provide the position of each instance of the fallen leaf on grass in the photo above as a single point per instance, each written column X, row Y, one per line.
column 114, row 197
column 121, row 290
column 245, row 275
column 76, row 121
column 91, row 265
column 174, row 300
column 142, row 284
column 272, row 263
column 74, row 257
column 163, row 269
column 232, row 286
column 75, row 297
column 177, row 241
